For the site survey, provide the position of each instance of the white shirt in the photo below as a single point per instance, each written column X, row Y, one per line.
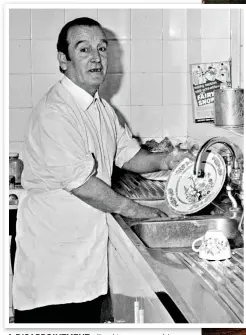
column 61, row 241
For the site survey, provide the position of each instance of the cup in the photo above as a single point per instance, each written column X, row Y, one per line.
column 214, row 246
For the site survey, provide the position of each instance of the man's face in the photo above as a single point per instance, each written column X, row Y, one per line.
column 87, row 49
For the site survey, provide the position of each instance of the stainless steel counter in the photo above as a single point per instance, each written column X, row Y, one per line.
column 204, row 292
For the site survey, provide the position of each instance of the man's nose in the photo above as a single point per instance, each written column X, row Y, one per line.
column 95, row 57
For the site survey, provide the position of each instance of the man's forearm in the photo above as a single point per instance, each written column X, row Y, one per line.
column 99, row 195
column 145, row 161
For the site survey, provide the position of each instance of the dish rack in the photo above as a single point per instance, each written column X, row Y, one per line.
column 136, row 187
column 225, row 279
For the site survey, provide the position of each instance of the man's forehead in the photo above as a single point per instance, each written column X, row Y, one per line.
column 85, row 33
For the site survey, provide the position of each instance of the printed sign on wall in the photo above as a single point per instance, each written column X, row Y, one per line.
column 205, row 79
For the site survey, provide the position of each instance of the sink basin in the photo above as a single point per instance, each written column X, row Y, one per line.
column 181, row 232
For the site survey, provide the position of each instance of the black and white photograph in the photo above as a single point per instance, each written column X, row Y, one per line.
column 126, row 167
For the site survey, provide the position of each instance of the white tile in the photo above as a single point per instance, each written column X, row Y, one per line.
column 242, row 26
column 175, row 56
column 19, row 23
column 190, row 118
column 147, row 121
column 216, row 23
column 201, row 132
column 19, row 56
column 175, row 88
column 194, row 49
column 20, row 90
column 215, row 50
column 116, row 89
column 194, row 23
column 17, row 123
column 242, row 67
column 146, row 56
column 47, row 23
column 119, row 56
column 242, row 48
column 44, row 56
column 174, row 24
column 116, row 22
column 16, row 147
column 189, row 90
column 146, row 23
column 146, row 89
column 71, row 14
column 41, row 83
column 175, row 121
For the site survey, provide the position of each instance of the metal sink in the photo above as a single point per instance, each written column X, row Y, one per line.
column 181, row 232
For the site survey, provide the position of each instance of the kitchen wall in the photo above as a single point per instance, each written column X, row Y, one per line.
column 220, row 37
column 150, row 52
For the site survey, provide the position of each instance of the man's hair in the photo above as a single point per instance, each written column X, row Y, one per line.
column 62, row 43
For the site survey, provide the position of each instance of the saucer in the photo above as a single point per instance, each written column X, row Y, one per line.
column 186, row 193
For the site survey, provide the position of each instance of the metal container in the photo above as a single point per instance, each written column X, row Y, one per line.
column 181, row 232
column 229, row 107
column 15, row 167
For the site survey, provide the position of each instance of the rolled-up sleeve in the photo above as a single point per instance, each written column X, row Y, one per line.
column 65, row 155
column 127, row 146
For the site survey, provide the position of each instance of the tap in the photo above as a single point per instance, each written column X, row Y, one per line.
column 235, row 173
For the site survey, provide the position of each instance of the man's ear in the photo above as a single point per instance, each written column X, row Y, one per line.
column 62, row 59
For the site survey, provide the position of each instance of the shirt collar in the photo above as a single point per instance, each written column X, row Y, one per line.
column 81, row 96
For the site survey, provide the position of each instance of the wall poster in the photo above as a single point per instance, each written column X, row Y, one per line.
column 205, row 79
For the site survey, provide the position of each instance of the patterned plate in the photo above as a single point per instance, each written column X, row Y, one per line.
column 186, row 193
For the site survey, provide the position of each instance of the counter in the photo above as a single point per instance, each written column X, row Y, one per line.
column 170, row 285
column 177, row 278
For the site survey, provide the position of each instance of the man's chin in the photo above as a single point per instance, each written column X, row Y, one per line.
column 97, row 80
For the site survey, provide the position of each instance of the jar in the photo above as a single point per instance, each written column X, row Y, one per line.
column 15, row 167
column 11, row 182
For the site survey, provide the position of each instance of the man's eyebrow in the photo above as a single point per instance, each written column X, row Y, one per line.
column 83, row 41
column 105, row 41
column 77, row 43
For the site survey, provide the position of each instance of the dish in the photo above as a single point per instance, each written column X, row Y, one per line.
column 186, row 193
column 159, row 175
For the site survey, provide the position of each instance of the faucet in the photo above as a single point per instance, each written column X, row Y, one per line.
column 234, row 174
column 214, row 140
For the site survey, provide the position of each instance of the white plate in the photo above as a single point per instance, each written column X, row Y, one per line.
column 159, row 175
column 186, row 193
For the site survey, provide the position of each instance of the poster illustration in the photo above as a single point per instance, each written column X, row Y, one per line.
column 205, row 79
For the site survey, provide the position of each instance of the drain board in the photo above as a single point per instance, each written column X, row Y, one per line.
column 136, row 187
column 223, row 278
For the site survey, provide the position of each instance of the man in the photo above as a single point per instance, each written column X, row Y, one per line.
column 72, row 140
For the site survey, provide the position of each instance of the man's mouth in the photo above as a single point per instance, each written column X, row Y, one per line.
column 95, row 70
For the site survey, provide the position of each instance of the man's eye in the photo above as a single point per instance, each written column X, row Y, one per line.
column 84, row 50
column 103, row 49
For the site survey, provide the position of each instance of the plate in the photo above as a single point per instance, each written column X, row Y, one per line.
column 159, row 175
column 186, row 193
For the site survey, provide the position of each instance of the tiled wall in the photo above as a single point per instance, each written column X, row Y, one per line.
column 213, row 40
column 150, row 49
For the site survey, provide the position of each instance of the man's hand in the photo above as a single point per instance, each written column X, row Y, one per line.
column 98, row 194
column 171, row 160
column 146, row 212
column 145, row 162
column 149, row 213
